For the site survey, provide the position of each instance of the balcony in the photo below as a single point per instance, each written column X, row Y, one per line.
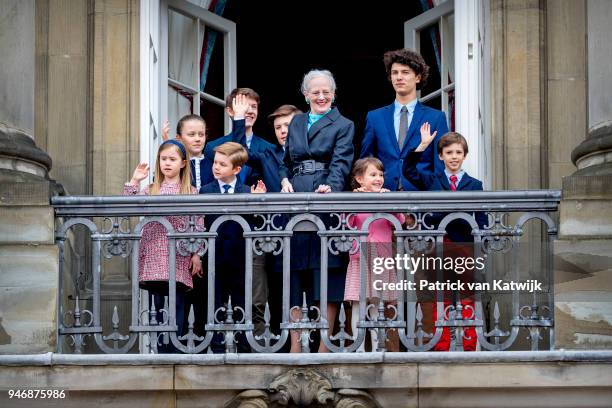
column 497, row 316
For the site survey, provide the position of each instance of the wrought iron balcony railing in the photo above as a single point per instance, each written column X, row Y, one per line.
column 269, row 222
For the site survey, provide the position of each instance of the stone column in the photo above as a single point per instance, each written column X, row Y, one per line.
column 584, row 288
column 28, row 256
column 115, row 139
column 518, row 114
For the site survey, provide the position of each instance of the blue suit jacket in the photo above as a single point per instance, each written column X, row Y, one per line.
column 247, row 175
column 264, row 161
column 437, row 181
column 379, row 140
column 267, row 163
column 229, row 243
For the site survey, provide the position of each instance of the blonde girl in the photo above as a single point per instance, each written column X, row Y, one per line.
column 172, row 176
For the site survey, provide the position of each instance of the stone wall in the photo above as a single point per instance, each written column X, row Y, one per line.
column 28, row 255
column 584, row 289
column 382, row 380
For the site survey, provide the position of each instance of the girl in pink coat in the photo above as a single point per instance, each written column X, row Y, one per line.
column 368, row 176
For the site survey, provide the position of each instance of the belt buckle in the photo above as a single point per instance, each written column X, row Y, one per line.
column 308, row 166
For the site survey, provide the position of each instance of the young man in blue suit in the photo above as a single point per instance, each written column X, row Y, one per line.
column 392, row 131
column 248, row 175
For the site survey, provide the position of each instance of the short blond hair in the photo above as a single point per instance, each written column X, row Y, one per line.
column 235, row 151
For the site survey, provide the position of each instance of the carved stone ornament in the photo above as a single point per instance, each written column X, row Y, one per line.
column 302, row 388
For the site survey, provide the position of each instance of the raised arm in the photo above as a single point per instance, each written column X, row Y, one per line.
column 239, row 107
column 441, row 128
column 132, row 187
column 419, row 177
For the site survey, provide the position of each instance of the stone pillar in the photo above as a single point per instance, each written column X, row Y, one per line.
column 566, row 81
column 115, row 142
column 28, row 256
column 584, row 288
column 518, row 114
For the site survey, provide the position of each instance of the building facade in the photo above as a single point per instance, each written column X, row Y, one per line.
column 87, row 84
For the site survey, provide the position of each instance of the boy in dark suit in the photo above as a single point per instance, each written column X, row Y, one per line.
column 229, row 249
column 452, row 150
column 265, row 162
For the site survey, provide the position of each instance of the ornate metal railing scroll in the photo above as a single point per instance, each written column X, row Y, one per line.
column 500, row 321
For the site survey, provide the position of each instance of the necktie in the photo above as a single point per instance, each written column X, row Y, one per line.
column 226, row 188
column 453, row 182
column 403, row 127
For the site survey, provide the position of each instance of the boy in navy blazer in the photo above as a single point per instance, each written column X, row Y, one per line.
column 248, row 175
column 229, row 249
column 392, row 131
column 452, row 150
column 265, row 162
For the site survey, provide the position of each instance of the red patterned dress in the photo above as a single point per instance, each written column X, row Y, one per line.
column 153, row 253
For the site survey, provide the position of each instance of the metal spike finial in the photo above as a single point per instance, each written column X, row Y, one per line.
column 115, row 318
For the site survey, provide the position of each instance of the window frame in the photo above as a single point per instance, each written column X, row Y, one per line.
column 471, row 79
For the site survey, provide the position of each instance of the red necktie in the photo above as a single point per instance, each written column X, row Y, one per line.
column 453, row 182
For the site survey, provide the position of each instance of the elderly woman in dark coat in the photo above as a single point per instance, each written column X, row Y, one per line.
column 318, row 158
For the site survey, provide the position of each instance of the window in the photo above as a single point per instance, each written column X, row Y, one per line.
column 191, row 54
column 451, row 37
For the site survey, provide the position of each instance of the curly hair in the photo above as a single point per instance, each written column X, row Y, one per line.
column 410, row 58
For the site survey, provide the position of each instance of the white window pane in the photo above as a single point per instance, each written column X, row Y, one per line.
column 179, row 105
column 182, row 64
